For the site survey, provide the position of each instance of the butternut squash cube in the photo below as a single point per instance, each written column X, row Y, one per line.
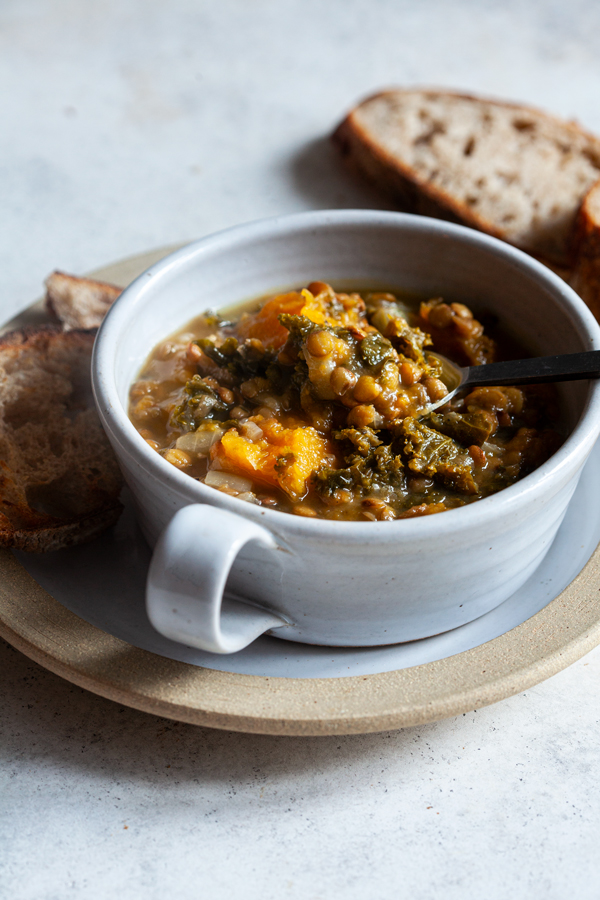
column 284, row 458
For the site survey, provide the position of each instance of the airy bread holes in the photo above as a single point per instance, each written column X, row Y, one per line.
column 469, row 147
column 60, row 481
column 524, row 125
column 428, row 136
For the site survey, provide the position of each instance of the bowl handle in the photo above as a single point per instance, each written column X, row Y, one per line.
column 186, row 580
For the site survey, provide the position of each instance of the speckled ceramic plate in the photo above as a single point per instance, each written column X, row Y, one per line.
column 99, row 640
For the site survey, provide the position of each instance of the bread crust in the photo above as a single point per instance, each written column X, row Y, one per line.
column 46, row 538
column 79, row 303
column 586, row 248
column 417, row 194
column 59, row 479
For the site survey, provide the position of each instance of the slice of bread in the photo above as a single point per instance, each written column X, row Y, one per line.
column 586, row 273
column 79, row 302
column 59, row 479
column 513, row 172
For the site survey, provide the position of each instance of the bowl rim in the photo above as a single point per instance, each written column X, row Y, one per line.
column 116, row 422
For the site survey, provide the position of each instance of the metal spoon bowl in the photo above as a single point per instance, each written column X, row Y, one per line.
column 538, row 370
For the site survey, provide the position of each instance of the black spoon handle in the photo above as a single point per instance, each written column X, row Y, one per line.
column 539, row 370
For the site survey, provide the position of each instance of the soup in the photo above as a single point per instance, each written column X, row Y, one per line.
column 314, row 402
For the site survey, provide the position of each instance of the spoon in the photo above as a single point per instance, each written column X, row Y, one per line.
column 538, row 370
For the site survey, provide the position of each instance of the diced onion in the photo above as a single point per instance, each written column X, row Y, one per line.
column 199, row 442
column 251, row 430
column 248, row 496
column 228, row 481
column 491, row 449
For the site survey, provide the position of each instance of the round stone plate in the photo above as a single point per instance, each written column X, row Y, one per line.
column 556, row 618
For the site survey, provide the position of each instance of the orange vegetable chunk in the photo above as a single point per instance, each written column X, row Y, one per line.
column 264, row 324
column 284, row 458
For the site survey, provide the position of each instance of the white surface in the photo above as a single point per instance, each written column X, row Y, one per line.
column 104, row 582
column 133, row 123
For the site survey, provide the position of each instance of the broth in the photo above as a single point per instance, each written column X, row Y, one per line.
column 310, row 402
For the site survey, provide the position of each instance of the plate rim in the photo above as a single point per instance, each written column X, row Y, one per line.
column 43, row 629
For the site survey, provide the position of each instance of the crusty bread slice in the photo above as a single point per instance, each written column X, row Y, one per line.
column 514, row 172
column 79, row 302
column 59, row 479
column 586, row 241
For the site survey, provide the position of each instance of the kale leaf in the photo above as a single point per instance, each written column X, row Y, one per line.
column 437, row 456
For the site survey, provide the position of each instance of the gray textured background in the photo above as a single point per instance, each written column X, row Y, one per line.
column 132, row 124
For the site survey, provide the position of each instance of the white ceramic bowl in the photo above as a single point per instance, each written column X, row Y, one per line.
column 318, row 581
